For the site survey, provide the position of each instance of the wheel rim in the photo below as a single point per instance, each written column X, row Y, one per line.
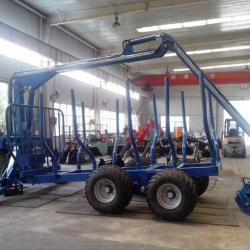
column 105, row 190
column 169, row 196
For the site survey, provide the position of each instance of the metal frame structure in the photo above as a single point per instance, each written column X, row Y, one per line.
column 117, row 138
column 29, row 81
column 184, row 136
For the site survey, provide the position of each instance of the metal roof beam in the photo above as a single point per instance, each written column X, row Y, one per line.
column 78, row 16
column 65, row 30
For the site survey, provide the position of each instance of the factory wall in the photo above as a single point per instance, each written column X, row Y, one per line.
column 32, row 26
column 53, row 43
column 35, row 34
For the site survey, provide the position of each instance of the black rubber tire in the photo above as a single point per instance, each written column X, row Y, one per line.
column 122, row 182
column 201, row 184
column 185, row 185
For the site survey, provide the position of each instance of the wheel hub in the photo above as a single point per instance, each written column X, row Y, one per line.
column 169, row 196
column 105, row 190
column 108, row 189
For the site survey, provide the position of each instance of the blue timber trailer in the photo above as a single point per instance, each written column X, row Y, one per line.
column 35, row 139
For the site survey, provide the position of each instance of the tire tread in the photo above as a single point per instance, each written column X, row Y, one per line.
column 190, row 192
column 123, row 184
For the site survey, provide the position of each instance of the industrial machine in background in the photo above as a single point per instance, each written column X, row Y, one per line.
column 233, row 142
column 36, row 143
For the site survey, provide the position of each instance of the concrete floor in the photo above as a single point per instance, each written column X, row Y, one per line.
column 43, row 228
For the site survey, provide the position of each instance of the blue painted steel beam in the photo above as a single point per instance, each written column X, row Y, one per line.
column 74, row 120
column 184, row 135
column 204, row 116
column 83, row 123
column 43, row 135
column 130, row 127
column 59, row 178
column 156, row 133
column 213, row 131
column 76, row 135
column 117, row 138
column 167, row 114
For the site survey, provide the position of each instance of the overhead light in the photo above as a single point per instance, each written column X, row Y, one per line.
column 195, row 23
column 171, row 26
column 222, row 66
column 204, row 51
column 240, row 47
column 208, row 67
column 240, row 18
column 208, row 51
column 180, row 69
column 169, row 54
column 221, row 50
column 148, row 29
column 239, row 64
column 219, row 20
column 233, row 65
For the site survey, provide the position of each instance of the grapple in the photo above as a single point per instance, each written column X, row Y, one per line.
column 243, row 196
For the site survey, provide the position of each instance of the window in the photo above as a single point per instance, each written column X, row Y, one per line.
column 22, row 54
column 175, row 121
column 118, row 89
column 135, row 121
column 67, row 111
column 3, row 104
column 108, row 121
column 89, row 115
column 85, row 77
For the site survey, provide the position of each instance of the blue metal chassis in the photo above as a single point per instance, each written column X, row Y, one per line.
column 140, row 175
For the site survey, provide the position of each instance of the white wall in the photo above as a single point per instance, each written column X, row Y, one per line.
column 22, row 27
column 23, row 20
column 18, row 18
